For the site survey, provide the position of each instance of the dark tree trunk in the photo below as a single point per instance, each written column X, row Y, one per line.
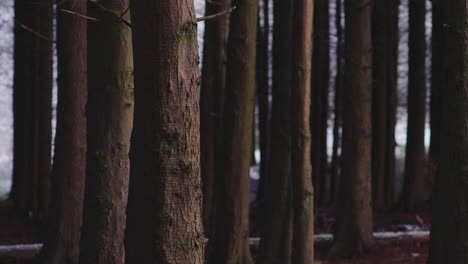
column 449, row 232
column 110, row 120
column 354, row 225
column 336, row 157
column 263, row 93
column 33, row 106
column 301, row 171
column 230, row 238
column 164, row 223
column 319, row 110
column 415, row 180
column 213, row 80
column 276, row 209
column 384, row 101
column 62, row 242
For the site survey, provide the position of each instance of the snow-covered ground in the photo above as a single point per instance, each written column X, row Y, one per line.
column 6, row 79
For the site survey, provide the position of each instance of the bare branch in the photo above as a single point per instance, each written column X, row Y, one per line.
column 77, row 14
column 34, row 32
column 216, row 15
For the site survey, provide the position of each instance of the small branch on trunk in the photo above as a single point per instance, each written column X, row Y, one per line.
column 225, row 12
column 77, row 14
column 34, row 32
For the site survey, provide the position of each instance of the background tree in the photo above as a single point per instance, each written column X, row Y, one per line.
column 213, row 81
column 164, row 222
column 414, row 186
column 110, row 120
column 68, row 174
column 230, row 238
column 319, row 110
column 449, row 232
column 303, row 198
column 384, row 101
column 276, row 209
column 354, row 216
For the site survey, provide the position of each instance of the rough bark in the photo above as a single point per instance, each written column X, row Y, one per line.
column 449, row 232
column 415, row 180
column 319, row 93
column 276, row 209
column 110, row 119
column 301, row 170
column 230, row 238
column 337, row 122
column 385, row 43
column 62, row 241
column 354, row 225
column 164, row 222
column 213, row 80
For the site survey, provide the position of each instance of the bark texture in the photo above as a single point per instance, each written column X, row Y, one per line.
column 110, row 120
column 276, row 209
column 319, row 110
column 303, row 198
column 164, row 223
column 68, row 174
column 229, row 243
column 415, row 181
column 449, row 232
column 213, row 81
column 384, row 101
column 354, row 225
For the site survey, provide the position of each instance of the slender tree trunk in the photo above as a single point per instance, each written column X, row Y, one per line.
column 414, row 186
column 449, row 232
column 164, row 222
column 213, row 80
column 385, row 43
column 319, row 111
column 354, row 225
column 230, row 240
column 62, row 241
column 303, row 199
column 263, row 94
column 110, row 120
column 337, row 123
column 276, row 209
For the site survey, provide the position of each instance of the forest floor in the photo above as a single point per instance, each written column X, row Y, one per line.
column 16, row 229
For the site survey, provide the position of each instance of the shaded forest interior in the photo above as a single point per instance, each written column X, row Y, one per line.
column 254, row 131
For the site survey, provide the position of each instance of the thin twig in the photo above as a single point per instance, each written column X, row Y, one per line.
column 216, row 15
column 37, row 34
column 77, row 14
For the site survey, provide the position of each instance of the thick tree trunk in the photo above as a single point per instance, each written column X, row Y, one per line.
column 213, row 80
column 337, row 123
column 303, row 198
column 385, row 43
column 62, row 242
column 110, row 120
column 449, row 232
column 415, row 180
column 354, row 225
column 276, row 209
column 319, row 110
column 164, row 222
column 229, row 243
column 33, row 106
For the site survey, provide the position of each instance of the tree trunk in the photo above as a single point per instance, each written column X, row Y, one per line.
column 229, row 243
column 415, row 180
column 62, row 241
column 263, row 100
column 319, row 111
column 213, row 80
column 337, row 123
column 110, row 120
column 354, row 225
column 276, row 209
column 449, row 232
column 385, row 43
column 303, row 198
column 164, row 222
